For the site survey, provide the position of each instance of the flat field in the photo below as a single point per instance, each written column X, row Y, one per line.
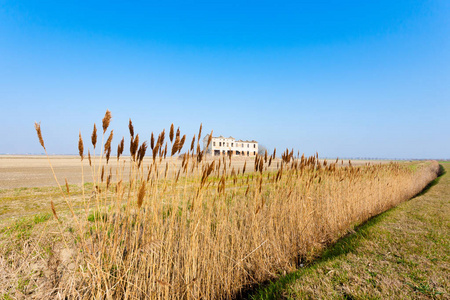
column 29, row 171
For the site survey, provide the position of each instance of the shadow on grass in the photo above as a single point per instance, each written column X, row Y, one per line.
column 347, row 244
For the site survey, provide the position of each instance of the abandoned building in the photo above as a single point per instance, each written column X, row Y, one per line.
column 224, row 146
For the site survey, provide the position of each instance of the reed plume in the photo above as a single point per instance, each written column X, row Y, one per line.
column 109, row 140
column 183, row 139
column 53, row 210
column 175, row 147
column 134, row 147
column 80, row 146
column 152, row 142
column 155, row 150
column 108, row 154
column 141, row 153
column 108, row 145
column 67, row 186
column 192, row 143
column 120, row 148
column 131, row 128
column 94, row 136
column 162, row 137
column 209, row 139
column 171, row 133
column 106, row 120
column 200, row 132
column 39, row 133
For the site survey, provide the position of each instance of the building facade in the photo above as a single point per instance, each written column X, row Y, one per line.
column 224, row 146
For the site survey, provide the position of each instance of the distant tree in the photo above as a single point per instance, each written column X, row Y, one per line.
column 261, row 149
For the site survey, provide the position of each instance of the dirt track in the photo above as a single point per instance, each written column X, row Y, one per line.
column 34, row 171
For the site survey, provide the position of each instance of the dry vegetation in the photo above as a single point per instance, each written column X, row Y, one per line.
column 198, row 229
column 403, row 253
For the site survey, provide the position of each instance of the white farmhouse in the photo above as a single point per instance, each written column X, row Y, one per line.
column 224, row 146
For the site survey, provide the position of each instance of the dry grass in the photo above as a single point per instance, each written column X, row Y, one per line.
column 202, row 229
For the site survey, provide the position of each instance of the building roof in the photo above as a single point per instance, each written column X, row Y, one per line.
column 246, row 141
column 222, row 137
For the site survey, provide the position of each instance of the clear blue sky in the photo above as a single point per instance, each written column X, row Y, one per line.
column 344, row 78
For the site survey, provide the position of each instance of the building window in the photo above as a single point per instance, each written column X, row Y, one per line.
column 231, row 144
column 214, row 144
column 254, row 152
column 254, row 145
column 248, row 145
column 220, row 143
column 248, row 153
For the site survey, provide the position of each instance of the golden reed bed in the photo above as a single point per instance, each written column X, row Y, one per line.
column 204, row 229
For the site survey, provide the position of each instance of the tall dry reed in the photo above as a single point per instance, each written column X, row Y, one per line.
column 205, row 229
